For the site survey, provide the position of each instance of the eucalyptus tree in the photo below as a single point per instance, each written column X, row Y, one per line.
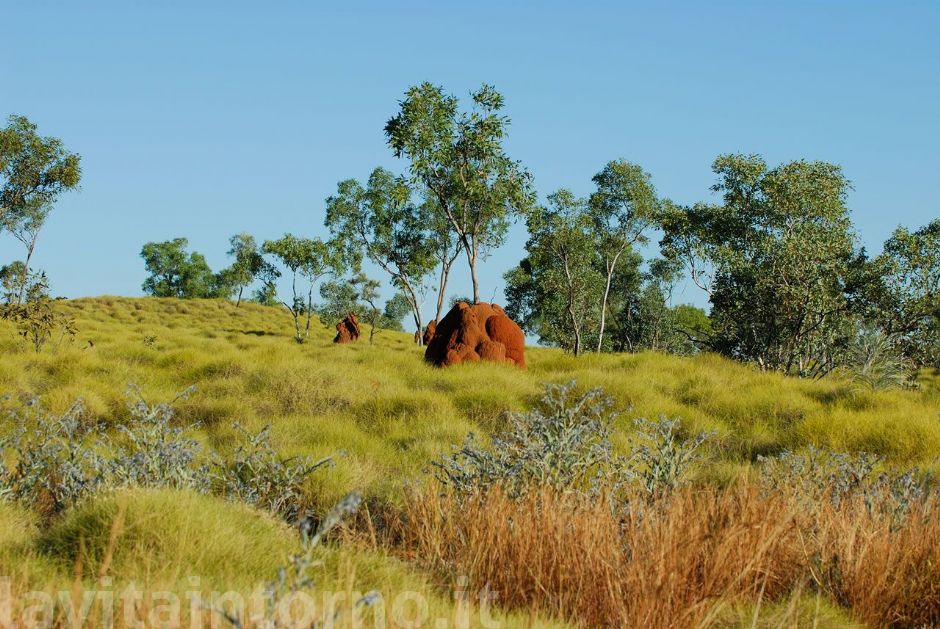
column 459, row 158
column 382, row 222
column 34, row 171
column 176, row 272
column 308, row 260
column 906, row 302
column 555, row 289
column 623, row 207
column 249, row 264
column 775, row 256
column 447, row 249
column 361, row 294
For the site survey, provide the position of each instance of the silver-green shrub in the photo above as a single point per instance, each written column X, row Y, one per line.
column 660, row 459
column 816, row 475
column 256, row 474
column 50, row 462
column 152, row 452
column 564, row 443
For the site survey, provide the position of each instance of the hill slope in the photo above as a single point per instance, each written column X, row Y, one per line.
column 393, row 413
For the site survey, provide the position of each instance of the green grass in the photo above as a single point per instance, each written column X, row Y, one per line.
column 389, row 411
column 392, row 413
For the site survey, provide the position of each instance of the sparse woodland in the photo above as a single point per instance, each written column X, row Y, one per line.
column 769, row 461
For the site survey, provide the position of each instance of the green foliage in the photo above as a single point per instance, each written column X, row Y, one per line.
column 360, row 294
column 904, row 298
column 176, row 273
column 339, row 297
column 775, row 257
column 661, row 458
column 58, row 460
column 458, row 157
column 647, row 321
column 249, row 265
column 556, row 290
column 308, row 260
column 563, row 443
column 152, row 452
column 258, row 475
column 817, row 474
column 383, row 222
column 53, row 464
column 876, row 360
column 622, row 208
column 396, row 308
column 19, row 284
column 37, row 322
column 34, row 171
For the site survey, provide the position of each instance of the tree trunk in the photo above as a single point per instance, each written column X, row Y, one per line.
column 442, row 289
column 238, row 302
column 574, row 319
column 293, row 309
column 473, row 276
column 25, row 280
column 446, row 265
column 610, row 276
column 416, row 314
column 309, row 310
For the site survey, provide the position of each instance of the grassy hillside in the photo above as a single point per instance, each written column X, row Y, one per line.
column 392, row 414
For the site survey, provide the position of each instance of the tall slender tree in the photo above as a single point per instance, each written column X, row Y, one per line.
column 458, row 157
column 34, row 171
column 308, row 260
column 382, row 222
column 249, row 264
column 623, row 207
column 554, row 291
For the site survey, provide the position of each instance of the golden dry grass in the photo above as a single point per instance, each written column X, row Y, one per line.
column 688, row 560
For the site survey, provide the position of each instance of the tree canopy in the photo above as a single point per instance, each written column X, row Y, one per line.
column 34, row 171
column 458, row 156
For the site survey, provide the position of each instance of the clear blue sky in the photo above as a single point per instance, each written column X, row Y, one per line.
column 203, row 119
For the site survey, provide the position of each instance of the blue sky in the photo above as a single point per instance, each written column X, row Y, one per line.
column 204, row 119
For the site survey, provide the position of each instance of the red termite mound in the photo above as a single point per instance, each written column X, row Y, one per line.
column 347, row 330
column 429, row 331
column 478, row 332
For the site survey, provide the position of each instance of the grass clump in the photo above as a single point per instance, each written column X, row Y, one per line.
column 168, row 535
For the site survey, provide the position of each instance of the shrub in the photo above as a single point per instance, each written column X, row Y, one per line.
column 37, row 322
column 876, row 361
column 564, row 443
column 155, row 453
column 660, row 458
column 257, row 475
column 818, row 475
column 56, row 460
